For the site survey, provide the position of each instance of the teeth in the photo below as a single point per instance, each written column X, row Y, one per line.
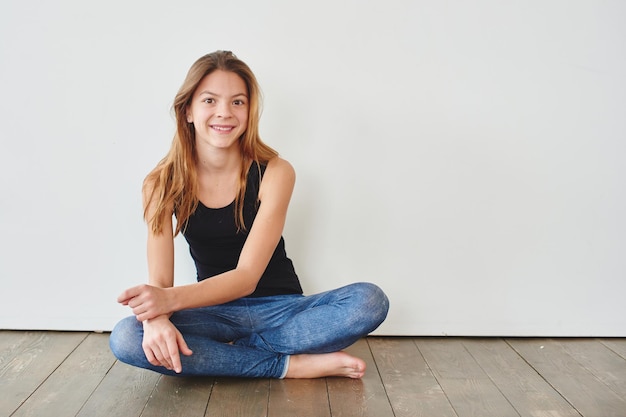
column 223, row 129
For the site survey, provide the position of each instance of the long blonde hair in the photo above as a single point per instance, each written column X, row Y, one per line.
column 173, row 183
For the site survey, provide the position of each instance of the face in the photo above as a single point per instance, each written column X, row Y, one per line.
column 219, row 109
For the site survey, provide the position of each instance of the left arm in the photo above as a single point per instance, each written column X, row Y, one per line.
column 275, row 192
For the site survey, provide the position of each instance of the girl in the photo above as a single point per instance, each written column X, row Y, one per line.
column 246, row 316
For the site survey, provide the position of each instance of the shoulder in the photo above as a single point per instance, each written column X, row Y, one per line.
column 280, row 167
column 279, row 176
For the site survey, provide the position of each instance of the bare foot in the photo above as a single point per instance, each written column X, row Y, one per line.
column 326, row 364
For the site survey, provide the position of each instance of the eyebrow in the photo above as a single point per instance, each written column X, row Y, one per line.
column 217, row 95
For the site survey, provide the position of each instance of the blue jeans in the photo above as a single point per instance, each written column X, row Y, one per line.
column 254, row 337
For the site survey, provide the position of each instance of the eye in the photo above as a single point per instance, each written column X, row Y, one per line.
column 208, row 100
column 239, row 102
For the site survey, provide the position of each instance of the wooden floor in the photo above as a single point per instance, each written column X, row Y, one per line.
column 62, row 374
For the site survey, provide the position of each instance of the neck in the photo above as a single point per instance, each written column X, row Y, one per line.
column 218, row 161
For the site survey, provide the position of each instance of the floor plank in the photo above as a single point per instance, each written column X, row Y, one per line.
column 124, row 391
column 12, row 343
column 179, row 397
column 470, row 391
column 602, row 362
column 576, row 384
column 527, row 391
column 408, row 381
column 74, row 374
column 365, row 397
column 66, row 390
column 298, row 397
column 40, row 353
column 239, row 397
column 616, row 345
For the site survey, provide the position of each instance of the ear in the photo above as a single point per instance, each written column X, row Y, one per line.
column 188, row 115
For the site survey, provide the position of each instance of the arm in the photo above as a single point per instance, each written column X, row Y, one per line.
column 160, row 254
column 275, row 192
column 162, row 342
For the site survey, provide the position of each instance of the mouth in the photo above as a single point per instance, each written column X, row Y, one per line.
column 222, row 128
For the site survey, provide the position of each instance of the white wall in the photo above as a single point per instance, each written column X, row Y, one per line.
column 466, row 156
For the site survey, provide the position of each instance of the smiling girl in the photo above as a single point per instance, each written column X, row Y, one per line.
column 229, row 192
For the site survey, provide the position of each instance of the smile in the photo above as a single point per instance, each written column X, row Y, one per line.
column 222, row 128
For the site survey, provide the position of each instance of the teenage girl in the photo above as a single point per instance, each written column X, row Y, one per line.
column 228, row 192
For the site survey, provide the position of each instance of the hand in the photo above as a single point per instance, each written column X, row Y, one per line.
column 162, row 343
column 146, row 301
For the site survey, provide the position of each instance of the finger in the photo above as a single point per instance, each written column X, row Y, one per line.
column 143, row 315
column 182, row 345
column 147, row 310
column 147, row 350
column 137, row 310
column 174, row 356
column 133, row 302
column 138, row 301
column 155, row 355
column 140, row 313
column 163, row 358
column 126, row 295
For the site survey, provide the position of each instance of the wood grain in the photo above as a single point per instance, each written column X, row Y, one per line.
column 124, row 391
column 26, row 368
column 298, row 397
column 233, row 397
column 602, row 362
column 365, row 397
column 408, row 381
column 66, row 390
column 74, row 374
column 179, row 397
column 577, row 385
column 524, row 388
column 617, row 345
column 470, row 391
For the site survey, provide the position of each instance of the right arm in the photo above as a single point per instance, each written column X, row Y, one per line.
column 160, row 252
column 162, row 341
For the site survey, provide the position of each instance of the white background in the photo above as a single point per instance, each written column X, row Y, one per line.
column 468, row 157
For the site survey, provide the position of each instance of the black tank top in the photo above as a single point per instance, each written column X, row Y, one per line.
column 215, row 244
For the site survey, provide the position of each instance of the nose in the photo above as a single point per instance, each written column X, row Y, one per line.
column 223, row 110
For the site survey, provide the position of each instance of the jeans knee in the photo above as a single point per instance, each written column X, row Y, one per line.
column 374, row 301
column 125, row 339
